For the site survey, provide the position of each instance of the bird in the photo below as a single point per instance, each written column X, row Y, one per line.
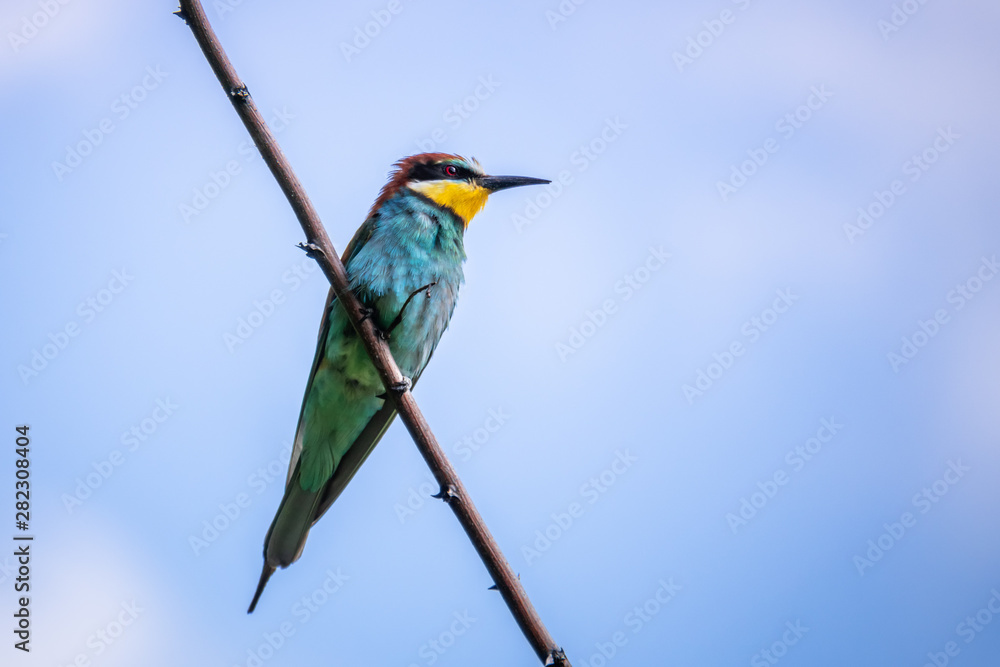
column 404, row 264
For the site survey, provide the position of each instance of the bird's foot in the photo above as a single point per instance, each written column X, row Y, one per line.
column 402, row 386
column 399, row 317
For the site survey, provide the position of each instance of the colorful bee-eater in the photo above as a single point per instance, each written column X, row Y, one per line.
column 405, row 265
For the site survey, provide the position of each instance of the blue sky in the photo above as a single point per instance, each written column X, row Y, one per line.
column 725, row 392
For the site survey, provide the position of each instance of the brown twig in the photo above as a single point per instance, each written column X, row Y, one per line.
column 319, row 246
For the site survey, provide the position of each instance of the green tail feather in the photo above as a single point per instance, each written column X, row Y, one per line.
column 288, row 532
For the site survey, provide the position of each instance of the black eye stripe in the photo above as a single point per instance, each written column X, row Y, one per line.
column 436, row 172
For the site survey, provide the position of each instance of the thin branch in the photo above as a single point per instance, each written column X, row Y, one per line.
column 319, row 246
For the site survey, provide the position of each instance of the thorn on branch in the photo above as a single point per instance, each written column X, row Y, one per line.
column 556, row 658
column 182, row 15
column 494, row 586
column 447, row 494
column 241, row 93
column 311, row 249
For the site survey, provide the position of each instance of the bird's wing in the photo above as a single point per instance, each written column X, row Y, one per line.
column 358, row 453
column 354, row 457
column 320, row 352
column 361, row 237
column 376, row 427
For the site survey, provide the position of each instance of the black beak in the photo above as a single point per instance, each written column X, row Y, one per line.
column 495, row 183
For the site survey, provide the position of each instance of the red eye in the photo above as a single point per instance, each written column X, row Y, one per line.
column 451, row 170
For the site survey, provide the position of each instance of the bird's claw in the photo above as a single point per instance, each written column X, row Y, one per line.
column 402, row 386
column 399, row 316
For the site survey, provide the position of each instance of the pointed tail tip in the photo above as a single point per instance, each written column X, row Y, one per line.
column 264, row 576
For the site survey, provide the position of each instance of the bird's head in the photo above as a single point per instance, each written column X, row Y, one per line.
column 449, row 181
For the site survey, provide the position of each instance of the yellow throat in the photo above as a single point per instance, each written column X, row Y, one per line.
column 464, row 198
